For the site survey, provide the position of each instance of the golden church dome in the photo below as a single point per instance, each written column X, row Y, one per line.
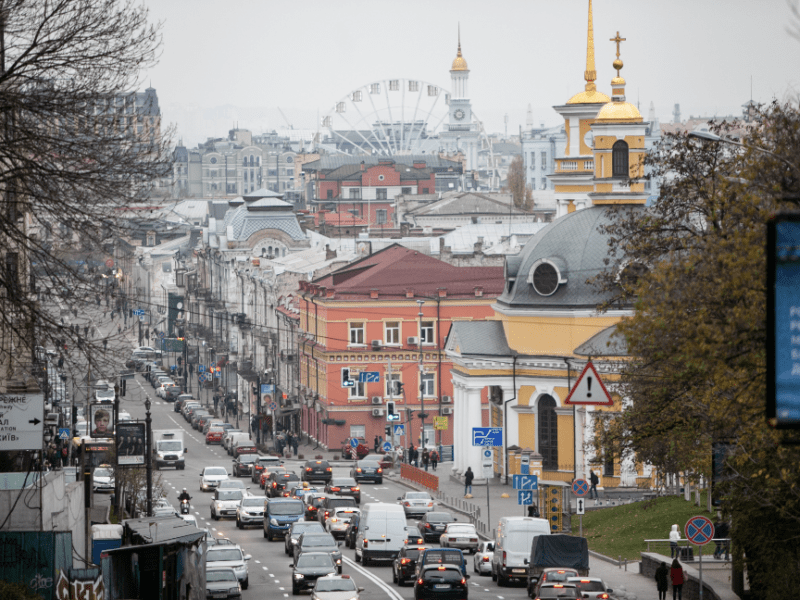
column 459, row 64
column 589, row 97
column 621, row 112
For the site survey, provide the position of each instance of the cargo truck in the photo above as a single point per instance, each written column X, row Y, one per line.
column 168, row 448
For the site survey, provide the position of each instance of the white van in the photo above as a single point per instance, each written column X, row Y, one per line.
column 512, row 547
column 381, row 532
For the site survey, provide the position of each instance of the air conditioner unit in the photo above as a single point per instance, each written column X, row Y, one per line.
column 376, row 344
column 377, row 400
column 447, row 410
column 413, row 340
column 447, row 400
column 377, row 412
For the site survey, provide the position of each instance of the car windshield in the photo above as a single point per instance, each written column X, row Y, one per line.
column 100, row 472
column 315, row 541
column 557, row 592
column 220, row 575
column 266, row 462
column 247, row 458
column 215, row 471
column 231, row 484
column 461, row 529
column 453, row 557
column 555, row 576
column 369, row 464
column 440, row 517
column 344, row 482
column 589, row 586
column 335, row 585
column 306, row 526
column 443, row 574
column 314, row 560
column 417, row 496
column 253, row 502
column 229, row 494
column 174, row 445
column 286, row 508
column 215, row 555
column 412, row 554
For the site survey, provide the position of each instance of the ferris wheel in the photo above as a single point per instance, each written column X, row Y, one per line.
column 389, row 117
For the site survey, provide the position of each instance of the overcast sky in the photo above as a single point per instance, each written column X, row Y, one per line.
column 303, row 56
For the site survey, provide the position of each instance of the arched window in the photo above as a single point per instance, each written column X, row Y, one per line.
column 252, row 160
column 548, row 433
column 244, row 161
column 619, row 159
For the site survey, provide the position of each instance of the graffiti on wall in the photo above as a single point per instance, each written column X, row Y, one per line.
column 79, row 586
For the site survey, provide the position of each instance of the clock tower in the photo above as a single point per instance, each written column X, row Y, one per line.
column 460, row 133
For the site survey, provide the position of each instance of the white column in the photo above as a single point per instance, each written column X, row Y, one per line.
column 458, row 416
column 473, row 414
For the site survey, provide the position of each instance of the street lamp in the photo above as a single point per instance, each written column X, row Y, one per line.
column 422, row 414
column 149, row 463
column 707, row 136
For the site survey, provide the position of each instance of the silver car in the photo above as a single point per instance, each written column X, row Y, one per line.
column 482, row 561
column 211, row 477
column 229, row 556
column 416, row 503
column 225, row 503
column 250, row 511
column 333, row 587
column 460, row 535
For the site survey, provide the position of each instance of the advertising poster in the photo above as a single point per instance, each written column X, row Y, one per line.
column 101, row 419
column 130, row 443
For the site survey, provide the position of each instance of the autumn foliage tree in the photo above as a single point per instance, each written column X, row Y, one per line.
column 697, row 341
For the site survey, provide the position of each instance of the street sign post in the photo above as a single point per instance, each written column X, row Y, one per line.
column 273, row 406
column 524, row 497
column 267, row 388
column 487, row 436
column 589, row 389
column 138, row 312
column 354, row 442
column 525, row 464
column 369, row 377
column 63, row 434
column 700, row 531
column 525, row 482
column 21, row 417
column 580, row 487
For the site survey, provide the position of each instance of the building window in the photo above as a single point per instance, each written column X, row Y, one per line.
column 380, row 194
column 426, row 333
column 544, row 161
column 405, row 190
column 424, row 190
column 393, row 380
column 619, row 159
column 428, row 383
column 358, row 431
column 569, row 165
column 548, row 433
column 355, row 193
column 356, row 333
column 359, row 388
column 543, row 184
column 329, row 194
column 392, row 333
column 382, row 216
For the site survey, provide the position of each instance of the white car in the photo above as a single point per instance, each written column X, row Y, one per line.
column 211, row 477
column 337, row 523
column 103, row 479
column 225, row 503
column 460, row 535
column 482, row 561
column 163, row 386
column 250, row 511
column 593, row 588
column 124, row 415
column 416, row 503
column 191, row 519
column 336, row 587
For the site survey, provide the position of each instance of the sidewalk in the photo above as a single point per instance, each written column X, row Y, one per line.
column 624, row 579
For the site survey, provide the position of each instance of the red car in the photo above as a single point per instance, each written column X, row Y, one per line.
column 214, row 436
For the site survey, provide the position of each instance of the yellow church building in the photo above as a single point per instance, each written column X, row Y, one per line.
column 546, row 325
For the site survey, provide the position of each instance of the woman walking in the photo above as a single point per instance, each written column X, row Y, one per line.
column 662, row 573
column 678, row 576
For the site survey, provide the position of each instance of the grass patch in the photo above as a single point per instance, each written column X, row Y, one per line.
column 621, row 530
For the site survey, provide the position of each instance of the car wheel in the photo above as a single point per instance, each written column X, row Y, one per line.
column 494, row 575
column 365, row 561
column 394, row 574
column 501, row 581
column 379, row 481
column 238, row 524
column 358, row 557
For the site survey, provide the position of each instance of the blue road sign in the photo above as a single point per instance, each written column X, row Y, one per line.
column 487, row 436
column 524, row 497
column 399, row 430
column 580, row 487
column 161, row 334
column 217, row 374
column 273, row 406
column 699, row 530
column 63, row 433
column 354, row 442
column 201, row 368
column 526, row 482
column 138, row 311
column 267, row 388
column 369, row 377
column 387, row 446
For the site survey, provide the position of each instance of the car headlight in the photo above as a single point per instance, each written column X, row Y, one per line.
column 274, row 521
column 293, row 540
column 235, row 590
column 298, row 576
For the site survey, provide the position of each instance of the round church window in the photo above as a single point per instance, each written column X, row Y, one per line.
column 545, row 279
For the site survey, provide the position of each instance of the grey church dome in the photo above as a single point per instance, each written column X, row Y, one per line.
column 553, row 268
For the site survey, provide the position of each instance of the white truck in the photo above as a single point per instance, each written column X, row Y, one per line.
column 168, row 448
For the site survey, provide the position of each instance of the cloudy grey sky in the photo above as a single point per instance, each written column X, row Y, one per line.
column 246, row 58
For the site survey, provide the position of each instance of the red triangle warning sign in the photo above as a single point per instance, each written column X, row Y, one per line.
column 589, row 389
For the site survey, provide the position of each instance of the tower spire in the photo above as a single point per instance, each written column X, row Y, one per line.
column 590, row 74
column 459, row 38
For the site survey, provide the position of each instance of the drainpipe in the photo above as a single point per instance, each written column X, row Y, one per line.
column 505, row 411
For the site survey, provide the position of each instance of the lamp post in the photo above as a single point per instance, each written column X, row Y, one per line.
column 422, row 414
column 148, row 421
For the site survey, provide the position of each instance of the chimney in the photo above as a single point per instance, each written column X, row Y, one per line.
column 442, row 292
column 405, row 228
column 478, row 291
column 409, row 292
column 478, row 247
column 330, row 293
column 441, row 245
column 373, row 293
column 195, row 234
column 446, row 254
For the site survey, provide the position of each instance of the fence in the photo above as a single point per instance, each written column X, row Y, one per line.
column 687, row 551
column 419, row 476
column 472, row 511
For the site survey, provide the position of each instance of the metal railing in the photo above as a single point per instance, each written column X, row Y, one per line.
column 687, row 550
column 471, row 510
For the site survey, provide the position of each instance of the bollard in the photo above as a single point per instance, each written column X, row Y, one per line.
column 626, row 564
column 619, row 562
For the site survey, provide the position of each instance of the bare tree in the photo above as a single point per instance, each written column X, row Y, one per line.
column 78, row 147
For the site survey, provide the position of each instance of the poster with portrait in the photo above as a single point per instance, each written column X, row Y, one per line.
column 101, row 419
column 130, row 443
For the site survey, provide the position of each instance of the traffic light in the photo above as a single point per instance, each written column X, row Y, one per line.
column 387, row 430
column 390, row 407
column 346, row 381
column 398, row 388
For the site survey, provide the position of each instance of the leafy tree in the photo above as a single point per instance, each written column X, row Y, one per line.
column 73, row 155
column 694, row 264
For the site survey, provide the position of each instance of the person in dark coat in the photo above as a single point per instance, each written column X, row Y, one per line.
column 662, row 584
column 434, row 459
column 426, row 457
column 468, row 477
column 376, row 445
column 593, row 481
column 678, row 576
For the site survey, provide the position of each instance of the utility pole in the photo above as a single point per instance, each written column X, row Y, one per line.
column 390, row 382
column 422, row 414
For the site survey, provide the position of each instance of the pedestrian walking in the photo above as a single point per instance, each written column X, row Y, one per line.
column 674, row 538
column 434, row 459
column 678, row 576
column 662, row 584
column 468, row 477
column 593, row 480
column 416, row 457
column 60, row 361
column 119, row 328
column 377, row 444
column 295, row 443
column 426, row 457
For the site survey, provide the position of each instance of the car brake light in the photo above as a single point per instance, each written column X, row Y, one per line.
column 485, row 559
column 358, row 470
column 419, row 581
column 328, row 469
column 308, row 469
column 504, row 558
column 558, row 586
column 441, row 568
column 335, row 489
column 366, row 542
column 603, row 596
column 463, row 581
column 355, row 489
column 334, row 519
column 427, row 525
column 405, row 561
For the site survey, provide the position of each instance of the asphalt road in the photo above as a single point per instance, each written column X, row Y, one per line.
column 269, row 570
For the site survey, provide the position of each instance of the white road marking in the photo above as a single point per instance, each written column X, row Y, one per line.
column 389, row 591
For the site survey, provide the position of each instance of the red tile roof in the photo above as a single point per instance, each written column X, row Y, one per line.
column 396, row 270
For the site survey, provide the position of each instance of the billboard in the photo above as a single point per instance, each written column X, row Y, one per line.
column 130, row 443
column 101, row 419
